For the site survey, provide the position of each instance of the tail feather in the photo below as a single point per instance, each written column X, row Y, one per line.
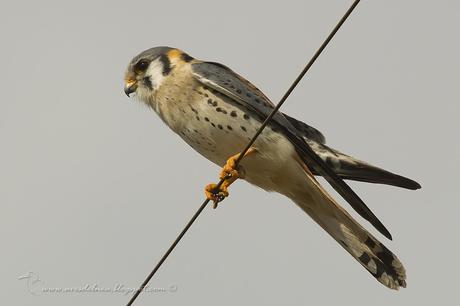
column 365, row 248
column 376, row 258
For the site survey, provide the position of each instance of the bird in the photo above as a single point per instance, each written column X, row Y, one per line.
column 216, row 111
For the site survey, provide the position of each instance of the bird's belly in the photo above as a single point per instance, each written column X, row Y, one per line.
column 218, row 130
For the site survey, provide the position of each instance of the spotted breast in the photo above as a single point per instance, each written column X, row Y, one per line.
column 205, row 118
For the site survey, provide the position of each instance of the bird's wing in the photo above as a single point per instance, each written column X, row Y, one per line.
column 307, row 131
column 350, row 168
column 346, row 166
column 235, row 87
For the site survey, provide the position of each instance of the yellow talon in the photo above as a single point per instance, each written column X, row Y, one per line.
column 229, row 174
column 215, row 194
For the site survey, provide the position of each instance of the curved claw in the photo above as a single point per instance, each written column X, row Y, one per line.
column 215, row 194
column 229, row 174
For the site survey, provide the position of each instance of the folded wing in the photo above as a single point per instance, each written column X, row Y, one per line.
column 247, row 96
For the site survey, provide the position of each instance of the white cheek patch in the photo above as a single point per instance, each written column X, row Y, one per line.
column 155, row 72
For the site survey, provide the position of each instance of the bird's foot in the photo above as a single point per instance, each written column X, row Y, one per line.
column 216, row 194
column 229, row 174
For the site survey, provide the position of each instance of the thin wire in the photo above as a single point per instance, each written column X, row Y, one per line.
column 243, row 152
column 171, row 248
column 301, row 75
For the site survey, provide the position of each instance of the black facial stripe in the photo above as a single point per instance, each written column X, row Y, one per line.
column 166, row 64
column 148, row 82
column 186, row 58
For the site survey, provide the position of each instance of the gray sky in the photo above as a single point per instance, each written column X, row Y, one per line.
column 94, row 187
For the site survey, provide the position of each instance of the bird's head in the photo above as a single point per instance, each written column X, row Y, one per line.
column 146, row 71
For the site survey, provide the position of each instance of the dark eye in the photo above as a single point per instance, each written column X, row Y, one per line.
column 141, row 66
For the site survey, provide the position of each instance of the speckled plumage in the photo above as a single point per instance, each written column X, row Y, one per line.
column 216, row 111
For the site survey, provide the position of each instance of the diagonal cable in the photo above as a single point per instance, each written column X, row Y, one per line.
column 243, row 152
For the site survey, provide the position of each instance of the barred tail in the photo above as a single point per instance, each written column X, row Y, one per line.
column 365, row 248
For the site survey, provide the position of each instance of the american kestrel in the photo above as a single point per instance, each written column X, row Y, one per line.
column 216, row 111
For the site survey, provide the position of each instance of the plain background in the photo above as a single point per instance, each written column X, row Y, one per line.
column 94, row 187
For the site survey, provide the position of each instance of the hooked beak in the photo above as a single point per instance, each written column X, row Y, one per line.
column 130, row 87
